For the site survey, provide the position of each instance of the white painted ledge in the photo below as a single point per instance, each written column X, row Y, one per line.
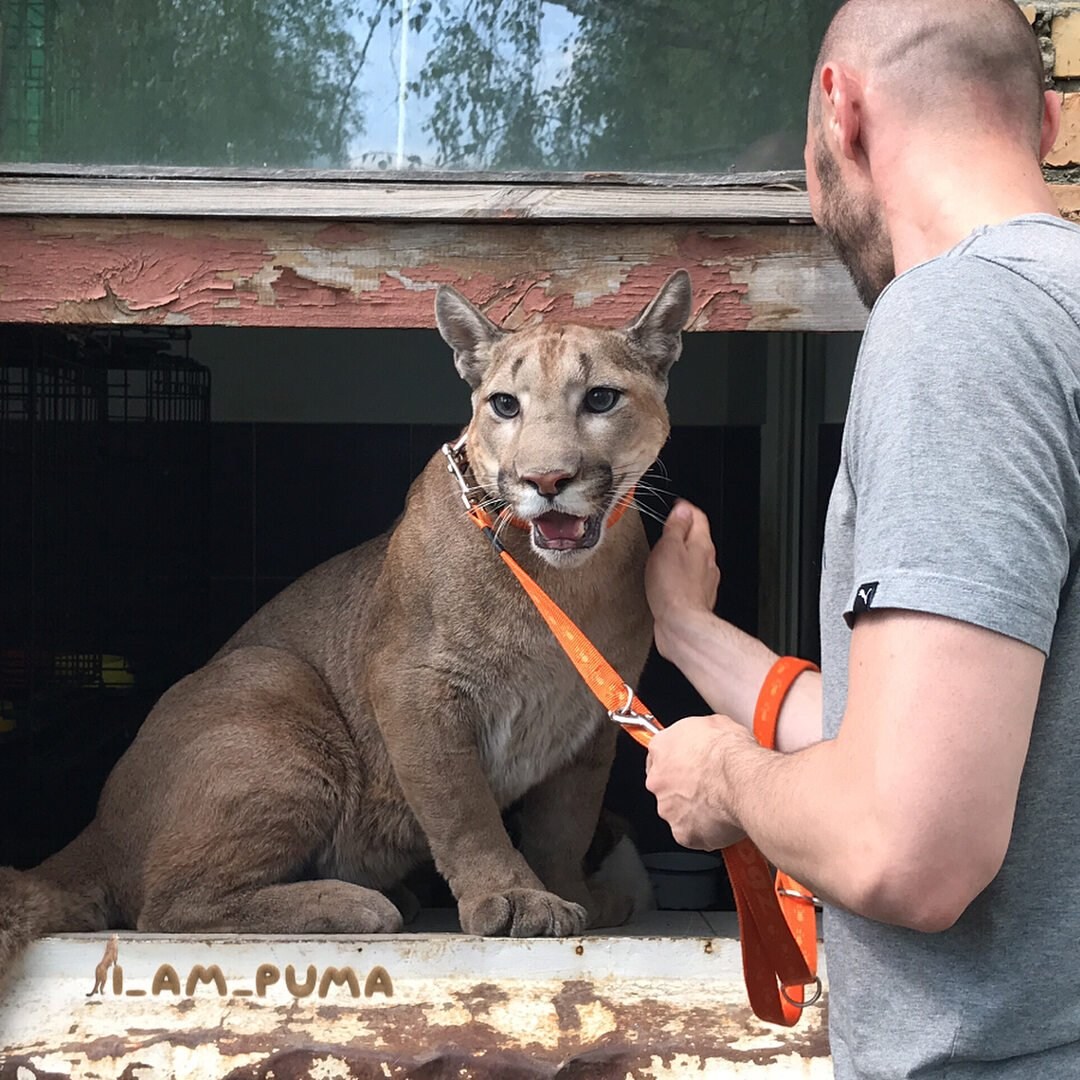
column 664, row 999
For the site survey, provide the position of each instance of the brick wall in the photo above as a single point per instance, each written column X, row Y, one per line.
column 1057, row 23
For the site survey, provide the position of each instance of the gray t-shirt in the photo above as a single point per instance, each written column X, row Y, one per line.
column 959, row 494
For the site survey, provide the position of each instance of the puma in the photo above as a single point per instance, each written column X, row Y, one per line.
column 388, row 706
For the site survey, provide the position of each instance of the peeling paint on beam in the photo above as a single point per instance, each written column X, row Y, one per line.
column 306, row 273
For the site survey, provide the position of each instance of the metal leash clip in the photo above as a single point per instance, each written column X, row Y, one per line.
column 453, row 466
column 628, row 716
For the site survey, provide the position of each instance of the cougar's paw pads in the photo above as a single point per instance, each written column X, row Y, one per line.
column 350, row 909
column 522, row 913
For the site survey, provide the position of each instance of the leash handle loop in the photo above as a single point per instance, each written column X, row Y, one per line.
column 785, row 928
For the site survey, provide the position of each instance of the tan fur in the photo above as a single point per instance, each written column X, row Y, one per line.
column 394, row 701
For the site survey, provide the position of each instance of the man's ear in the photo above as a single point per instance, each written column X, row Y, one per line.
column 657, row 334
column 843, row 96
column 1051, row 122
column 468, row 331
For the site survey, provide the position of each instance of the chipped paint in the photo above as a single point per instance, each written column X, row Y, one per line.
column 296, row 273
column 458, row 1007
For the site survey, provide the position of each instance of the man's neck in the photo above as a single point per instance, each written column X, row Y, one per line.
column 932, row 201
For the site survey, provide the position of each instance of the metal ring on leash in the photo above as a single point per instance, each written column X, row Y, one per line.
column 794, row 894
column 628, row 708
column 812, row 1000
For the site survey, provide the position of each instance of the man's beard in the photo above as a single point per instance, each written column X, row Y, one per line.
column 856, row 230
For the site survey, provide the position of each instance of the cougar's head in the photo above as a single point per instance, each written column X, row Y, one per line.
column 565, row 418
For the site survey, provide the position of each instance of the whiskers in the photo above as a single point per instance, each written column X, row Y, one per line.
column 482, row 499
column 496, row 506
column 650, row 487
column 658, row 470
column 504, row 517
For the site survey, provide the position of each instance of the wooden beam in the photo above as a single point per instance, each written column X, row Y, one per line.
column 196, row 192
column 400, row 201
column 371, row 274
column 793, row 178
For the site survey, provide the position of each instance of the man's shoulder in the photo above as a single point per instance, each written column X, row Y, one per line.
column 993, row 276
column 963, row 326
column 1031, row 238
column 952, row 301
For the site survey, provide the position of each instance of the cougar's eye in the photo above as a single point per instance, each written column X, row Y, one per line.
column 505, row 406
column 601, row 399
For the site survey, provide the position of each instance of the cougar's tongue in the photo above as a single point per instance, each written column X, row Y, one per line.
column 554, row 526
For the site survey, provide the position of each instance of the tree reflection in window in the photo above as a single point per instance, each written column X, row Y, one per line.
column 695, row 86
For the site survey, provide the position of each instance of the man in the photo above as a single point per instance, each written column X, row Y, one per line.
column 937, row 816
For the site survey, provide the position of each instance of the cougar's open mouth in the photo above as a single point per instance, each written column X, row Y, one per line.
column 556, row 531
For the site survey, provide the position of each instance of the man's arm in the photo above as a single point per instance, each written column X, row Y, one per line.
column 725, row 665
column 906, row 816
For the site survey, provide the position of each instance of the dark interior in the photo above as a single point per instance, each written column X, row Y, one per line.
column 137, row 533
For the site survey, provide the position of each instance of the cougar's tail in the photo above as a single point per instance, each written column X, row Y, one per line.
column 65, row 893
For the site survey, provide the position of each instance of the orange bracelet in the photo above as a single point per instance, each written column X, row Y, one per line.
column 771, row 697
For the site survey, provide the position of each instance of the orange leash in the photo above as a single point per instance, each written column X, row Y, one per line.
column 777, row 924
column 781, row 984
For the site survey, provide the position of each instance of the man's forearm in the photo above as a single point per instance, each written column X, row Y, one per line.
column 727, row 667
column 776, row 799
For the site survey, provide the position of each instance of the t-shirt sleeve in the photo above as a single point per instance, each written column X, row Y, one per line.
column 962, row 451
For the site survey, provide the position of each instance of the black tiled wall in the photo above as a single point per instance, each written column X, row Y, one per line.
column 286, row 497
column 283, row 497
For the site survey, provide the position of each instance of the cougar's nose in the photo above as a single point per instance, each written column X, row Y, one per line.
column 548, row 483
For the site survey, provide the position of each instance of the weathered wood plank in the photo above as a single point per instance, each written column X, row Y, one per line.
column 310, row 273
column 129, row 190
column 771, row 179
column 396, row 201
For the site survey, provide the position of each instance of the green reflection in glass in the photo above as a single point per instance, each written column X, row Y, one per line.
column 564, row 85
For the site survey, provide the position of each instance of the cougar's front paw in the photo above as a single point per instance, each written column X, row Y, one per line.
column 522, row 913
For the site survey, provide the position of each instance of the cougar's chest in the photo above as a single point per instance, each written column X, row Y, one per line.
column 539, row 713
column 532, row 728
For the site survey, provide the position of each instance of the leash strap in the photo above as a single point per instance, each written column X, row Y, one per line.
column 795, row 968
column 777, row 924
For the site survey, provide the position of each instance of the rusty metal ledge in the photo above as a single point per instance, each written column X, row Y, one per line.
column 407, row 1007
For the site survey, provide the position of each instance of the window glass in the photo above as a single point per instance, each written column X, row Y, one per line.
column 694, row 86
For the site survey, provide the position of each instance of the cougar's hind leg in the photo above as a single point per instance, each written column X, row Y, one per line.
column 299, row 907
column 254, row 763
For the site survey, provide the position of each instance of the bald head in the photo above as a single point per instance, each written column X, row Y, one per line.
column 962, row 62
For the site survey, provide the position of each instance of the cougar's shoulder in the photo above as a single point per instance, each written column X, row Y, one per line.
column 312, row 616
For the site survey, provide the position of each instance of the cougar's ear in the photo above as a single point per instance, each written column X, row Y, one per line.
column 657, row 334
column 468, row 331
